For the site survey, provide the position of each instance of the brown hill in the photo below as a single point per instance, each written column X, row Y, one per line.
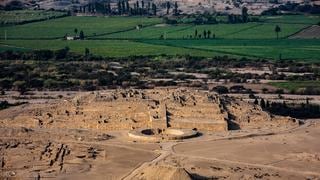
column 163, row 172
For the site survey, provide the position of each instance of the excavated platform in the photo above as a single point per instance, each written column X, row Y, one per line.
column 162, row 134
column 130, row 109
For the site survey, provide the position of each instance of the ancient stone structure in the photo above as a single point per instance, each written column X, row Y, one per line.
column 162, row 134
column 133, row 109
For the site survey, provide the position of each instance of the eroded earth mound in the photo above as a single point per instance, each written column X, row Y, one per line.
column 86, row 137
column 131, row 109
column 156, row 172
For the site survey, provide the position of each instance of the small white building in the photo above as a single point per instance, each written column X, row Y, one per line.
column 69, row 38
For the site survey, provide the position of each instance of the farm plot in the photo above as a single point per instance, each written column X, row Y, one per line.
column 91, row 26
column 218, row 31
column 294, row 86
column 151, row 32
column 271, row 49
column 312, row 32
column 291, row 19
column 120, row 37
column 266, row 31
column 24, row 16
column 181, row 31
column 108, row 48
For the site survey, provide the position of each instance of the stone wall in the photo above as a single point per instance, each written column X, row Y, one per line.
column 216, row 127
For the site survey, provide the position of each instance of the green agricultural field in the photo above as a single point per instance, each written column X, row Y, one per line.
column 291, row 19
column 293, row 86
column 253, row 30
column 181, row 31
column 152, row 32
column 118, row 37
column 272, row 48
column 16, row 17
column 91, row 26
column 221, row 31
column 109, row 48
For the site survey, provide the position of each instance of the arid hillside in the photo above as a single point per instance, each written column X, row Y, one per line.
column 87, row 135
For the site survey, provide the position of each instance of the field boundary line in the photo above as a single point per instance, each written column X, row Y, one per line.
column 8, row 45
column 288, row 36
column 34, row 21
column 121, row 31
column 283, row 22
column 182, row 29
column 206, row 50
column 241, row 30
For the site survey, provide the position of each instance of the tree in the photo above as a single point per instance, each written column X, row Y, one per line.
column 108, row 8
column 209, row 33
column 279, row 91
column 81, row 35
column 89, row 8
column 245, row 14
column 20, row 86
column 196, row 33
column 119, row 7
column 5, row 84
column 252, row 96
column 307, row 101
column 123, row 7
column 231, row 18
column 205, row 34
column 277, row 29
column 76, row 31
column 268, row 104
column 265, row 90
column 154, row 9
column 62, row 53
column 86, row 53
column 262, row 103
column 221, row 89
column 176, row 11
column 256, row 101
column 36, row 83
column 14, row 5
column 168, row 7
column 148, row 7
column 127, row 6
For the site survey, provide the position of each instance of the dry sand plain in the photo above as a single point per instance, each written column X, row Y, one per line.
column 280, row 151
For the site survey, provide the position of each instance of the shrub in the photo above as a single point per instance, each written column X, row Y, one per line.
column 220, row 89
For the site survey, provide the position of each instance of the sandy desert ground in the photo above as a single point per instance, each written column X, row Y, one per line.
column 284, row 151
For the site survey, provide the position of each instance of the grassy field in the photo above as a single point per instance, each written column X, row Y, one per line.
column 16, row 17
column 291, row 19
column 118, row 37
column 295, row 85
column 221, row 31
column 301, row 49
column 289, row 49
column 91, row 26
column 110, row 48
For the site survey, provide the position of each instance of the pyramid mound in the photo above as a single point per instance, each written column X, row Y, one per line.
column 129, row 109
column 156, row 172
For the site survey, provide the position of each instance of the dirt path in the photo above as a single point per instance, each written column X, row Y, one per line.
column 165, row 152
column 168, row 150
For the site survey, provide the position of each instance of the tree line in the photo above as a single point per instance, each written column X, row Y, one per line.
column 123, row 7
column 303, row 110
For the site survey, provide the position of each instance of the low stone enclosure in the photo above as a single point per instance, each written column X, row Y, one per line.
column 155, row 109
column 162, row 134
